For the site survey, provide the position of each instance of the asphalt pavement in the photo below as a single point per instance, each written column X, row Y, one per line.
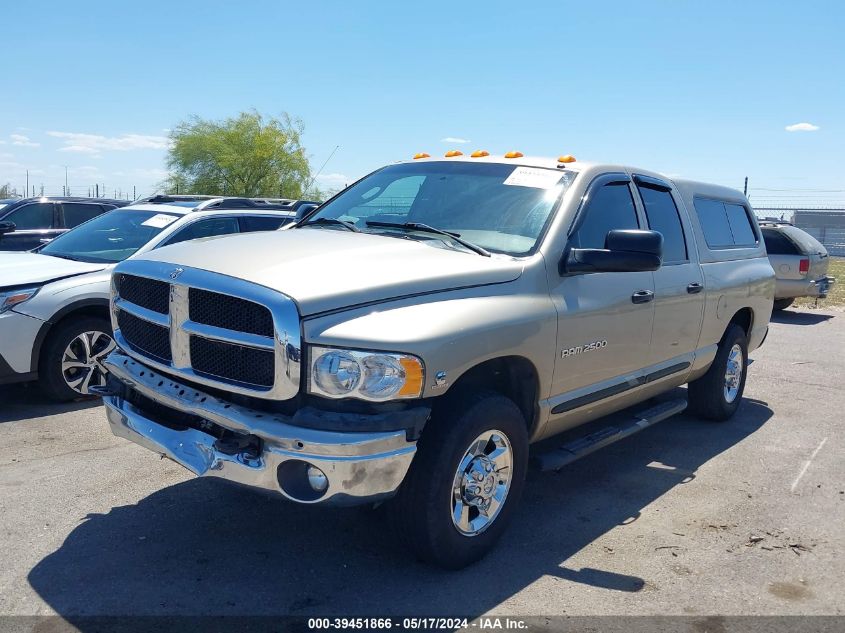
column 685, row 518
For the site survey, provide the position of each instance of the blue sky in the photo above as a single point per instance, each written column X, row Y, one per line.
column 701, row 90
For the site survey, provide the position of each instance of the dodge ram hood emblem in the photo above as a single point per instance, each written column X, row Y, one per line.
column 176, row 272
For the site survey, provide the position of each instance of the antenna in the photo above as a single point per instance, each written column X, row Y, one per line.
column 319, row 171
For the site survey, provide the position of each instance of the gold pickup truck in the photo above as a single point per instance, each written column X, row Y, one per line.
column 411, row 337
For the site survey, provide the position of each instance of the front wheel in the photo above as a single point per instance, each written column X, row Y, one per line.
column 72, row 358
column 465, row 481
column 717, row 394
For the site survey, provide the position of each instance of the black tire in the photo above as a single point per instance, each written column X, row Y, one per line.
column 50, row 375
column 421, row 512
column 783, row 304
column 707, row 394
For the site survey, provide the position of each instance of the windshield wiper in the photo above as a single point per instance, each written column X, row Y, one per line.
column 343, row 223
column 425, row 228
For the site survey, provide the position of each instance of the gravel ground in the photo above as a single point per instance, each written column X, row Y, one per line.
column 684, row 518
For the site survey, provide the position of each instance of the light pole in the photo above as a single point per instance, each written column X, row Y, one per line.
column 67, row 193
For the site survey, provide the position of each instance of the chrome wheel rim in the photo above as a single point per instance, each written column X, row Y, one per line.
column 82, row 361
column 481, row 484
column 733, row 373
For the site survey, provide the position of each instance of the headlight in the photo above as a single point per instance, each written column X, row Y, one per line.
column 10, row 298
column 341, row 373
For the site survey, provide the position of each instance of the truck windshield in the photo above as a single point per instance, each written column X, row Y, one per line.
column 502, row 208
column 111, row 237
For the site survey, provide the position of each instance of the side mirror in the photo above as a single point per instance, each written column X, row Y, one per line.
column 625, row 251
column 7, row 227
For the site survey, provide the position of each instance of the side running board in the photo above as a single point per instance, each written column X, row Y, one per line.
column 569, row 452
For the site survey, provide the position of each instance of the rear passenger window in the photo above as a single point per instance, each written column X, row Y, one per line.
column 778, row 244
column 77, row 213
column 209, row 227
column 610, row 207
column 740, row 225
column 663, row 217
column 724, row 224
column 262, row 223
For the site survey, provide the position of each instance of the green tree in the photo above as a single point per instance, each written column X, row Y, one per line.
column 248, row 155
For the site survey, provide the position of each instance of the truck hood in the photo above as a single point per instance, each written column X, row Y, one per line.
column 328, row 269
column 23, row 268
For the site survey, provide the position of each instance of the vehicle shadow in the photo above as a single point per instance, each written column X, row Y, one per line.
column 204, row 547
column 25, row 401
column 791, row 317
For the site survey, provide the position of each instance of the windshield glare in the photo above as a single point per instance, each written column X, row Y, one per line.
column 503, row 208
column 111, row 237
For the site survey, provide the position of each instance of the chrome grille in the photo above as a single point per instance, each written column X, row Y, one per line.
column 147, row 293
column 213, row 329
column 145, row 337
column 234, row 362
column 232, row 313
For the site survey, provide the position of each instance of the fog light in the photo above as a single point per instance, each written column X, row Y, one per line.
column 317, row 478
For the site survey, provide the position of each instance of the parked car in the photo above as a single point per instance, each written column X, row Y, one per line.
column 26, row 223
column 800, row 262
column 416, row 333
column 54, row 313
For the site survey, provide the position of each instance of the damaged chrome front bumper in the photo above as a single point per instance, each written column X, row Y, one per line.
column 261, row 450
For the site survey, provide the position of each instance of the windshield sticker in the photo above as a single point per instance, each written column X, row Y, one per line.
column 533, row 177
column 159, row 220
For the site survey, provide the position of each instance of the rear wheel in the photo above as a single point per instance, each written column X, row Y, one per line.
column 72, row 359
column 717, row 394
column 783, row 304
column 465, row 481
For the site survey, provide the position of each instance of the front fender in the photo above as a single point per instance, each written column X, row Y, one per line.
column 452, row 331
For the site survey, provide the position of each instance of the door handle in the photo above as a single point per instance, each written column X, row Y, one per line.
column 642, row 296
column 694, row 288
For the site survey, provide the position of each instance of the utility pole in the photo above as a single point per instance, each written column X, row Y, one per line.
column 745, row 189
column 134, row 197
column 27, row 183
column 97, row 189
column 67, row 191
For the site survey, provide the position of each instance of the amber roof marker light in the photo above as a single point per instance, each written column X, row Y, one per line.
column 514, row 155
column 480, row 153
column 567, row 158
column 421, row 155
column 452, row 153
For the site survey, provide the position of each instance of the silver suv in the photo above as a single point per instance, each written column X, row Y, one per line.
column 412, row 336
column 799, row 260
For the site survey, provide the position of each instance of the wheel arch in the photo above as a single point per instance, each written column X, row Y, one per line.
column 514, row 377
column 84, row 308
column 744, row 318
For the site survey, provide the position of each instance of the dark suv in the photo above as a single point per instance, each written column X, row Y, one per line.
column 29, row 222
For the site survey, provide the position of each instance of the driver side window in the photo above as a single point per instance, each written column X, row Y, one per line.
column 609, row 207
column 34, row 216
